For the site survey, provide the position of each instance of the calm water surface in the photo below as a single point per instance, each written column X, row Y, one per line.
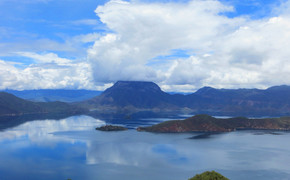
column 71, row 148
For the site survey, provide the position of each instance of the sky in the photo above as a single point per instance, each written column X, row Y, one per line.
column 182, row 45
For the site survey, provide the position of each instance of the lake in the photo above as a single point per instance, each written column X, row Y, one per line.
column 71, row 148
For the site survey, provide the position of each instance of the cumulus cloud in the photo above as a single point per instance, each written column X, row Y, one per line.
column 49, row 72
column 143, row 31
column 223, row 52
column 140, row 42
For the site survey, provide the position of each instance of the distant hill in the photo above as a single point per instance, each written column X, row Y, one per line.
column 128, row 97
column 131, row 95
column 247, row 102
column 50, row 95
column 205, row 123
column 11, row 105
column 134, row 96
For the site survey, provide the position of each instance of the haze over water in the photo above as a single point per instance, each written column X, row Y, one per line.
column 72, row 148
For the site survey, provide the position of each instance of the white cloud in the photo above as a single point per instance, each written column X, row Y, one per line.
column 256, row 55
column 89, row 22
column 224, row 52
column 144, row 31
column 38, row 45
column 221, row 52
column 39, row 50
column 45, row 58
column 50, row 72
column 8, row 75
column 252, row 56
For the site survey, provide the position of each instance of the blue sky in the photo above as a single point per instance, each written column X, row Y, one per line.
column 54, row 20
column 30, row 20
column 91, row 44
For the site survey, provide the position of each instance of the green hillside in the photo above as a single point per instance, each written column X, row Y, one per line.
column 11, row 105
column 206, row 123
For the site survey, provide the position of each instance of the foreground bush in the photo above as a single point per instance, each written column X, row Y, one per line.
column 209, row 175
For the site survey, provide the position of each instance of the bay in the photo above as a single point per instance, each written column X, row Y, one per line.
column 71, row 148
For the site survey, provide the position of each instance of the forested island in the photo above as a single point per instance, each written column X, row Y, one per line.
column 111, row 128
column 206, row 123
column 209, row 175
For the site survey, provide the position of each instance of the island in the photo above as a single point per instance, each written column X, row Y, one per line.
column 206, row 123
column 111, row 128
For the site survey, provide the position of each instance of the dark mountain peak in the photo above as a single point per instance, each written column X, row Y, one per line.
column 205, row 90
column 140, row 94
column 279, row 88
column 141, row 86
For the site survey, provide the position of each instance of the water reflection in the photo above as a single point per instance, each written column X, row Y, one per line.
column 41, row 131
column 204, row 135
column 72, row 148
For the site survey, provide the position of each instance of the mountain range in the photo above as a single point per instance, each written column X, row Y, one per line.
column 129, row 97
column 135, row 96
column 50, row 95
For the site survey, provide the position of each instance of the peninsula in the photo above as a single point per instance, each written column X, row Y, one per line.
column 206, row 123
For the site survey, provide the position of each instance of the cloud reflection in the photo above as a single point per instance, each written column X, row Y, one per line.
column 42, row 131
column 71, row 148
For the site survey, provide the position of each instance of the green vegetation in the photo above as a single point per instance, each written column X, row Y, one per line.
column 111, row 128
column 206, row 123
column 11, row 105
column 209, row 175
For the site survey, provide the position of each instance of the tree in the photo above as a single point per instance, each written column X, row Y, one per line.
column 209, row 175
